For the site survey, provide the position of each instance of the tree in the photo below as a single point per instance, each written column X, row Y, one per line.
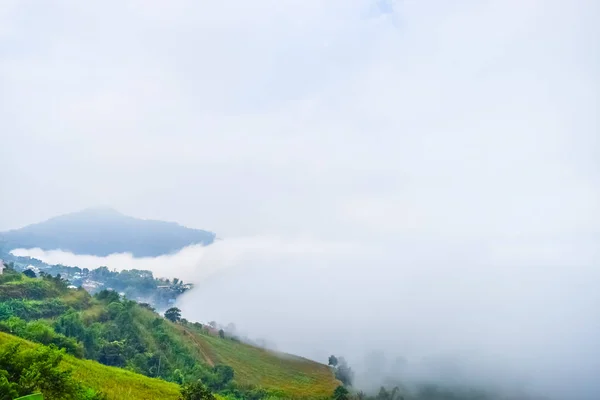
column 221, row 333
column 196, row 391
column 109, row 296
column 223, row 375
column 31, row 370
column 30, row 273
column 383, row 394
column 178, row 377
column 8, row 390
column 343, row 372
column 395, row 391
column 111, row 353
column 173, row 314
column 341, row 393
column 333, row 361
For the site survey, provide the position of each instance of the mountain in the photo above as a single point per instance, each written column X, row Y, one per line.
column 103, row 231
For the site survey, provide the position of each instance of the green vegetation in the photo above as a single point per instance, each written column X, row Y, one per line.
column 424, row 392
column 196, row 391
column 97, row 381
column 139, row 285
column 173, row 314
column 114, row 331
column 115, row 348
column 417, row 391
column 342, row 371
column 278, row 374
column 25, row 371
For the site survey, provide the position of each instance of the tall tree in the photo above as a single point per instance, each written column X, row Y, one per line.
column 173, row 314
column 333, row 361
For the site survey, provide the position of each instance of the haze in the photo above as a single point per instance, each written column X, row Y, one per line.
column 418, row 178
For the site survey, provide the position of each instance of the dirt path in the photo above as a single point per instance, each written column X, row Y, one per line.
column 205, row 355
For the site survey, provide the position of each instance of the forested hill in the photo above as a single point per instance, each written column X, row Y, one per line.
column 104, row 231
column 112, row 330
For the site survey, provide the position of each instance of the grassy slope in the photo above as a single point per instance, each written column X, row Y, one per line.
column 290, row 375
column 293, row 377
column 116, row 383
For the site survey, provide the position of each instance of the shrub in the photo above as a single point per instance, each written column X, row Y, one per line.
column 27, row 371
column 196, row 391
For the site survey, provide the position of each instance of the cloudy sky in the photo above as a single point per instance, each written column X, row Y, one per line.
column 328, row 116
column 450, row 148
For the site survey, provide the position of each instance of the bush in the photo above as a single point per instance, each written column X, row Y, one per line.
column 41, row 332
column 34, row 289
column 341, row 393
column 30, row 273
column 10, row 275
column 196, row 391
column 23, row 372
column 31, row 309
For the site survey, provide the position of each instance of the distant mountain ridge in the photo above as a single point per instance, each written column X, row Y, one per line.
column 104, row 231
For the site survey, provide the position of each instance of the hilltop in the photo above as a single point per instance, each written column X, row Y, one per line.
column 104, row 231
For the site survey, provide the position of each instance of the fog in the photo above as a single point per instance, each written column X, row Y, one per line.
column 472, row 312
column 419, row 178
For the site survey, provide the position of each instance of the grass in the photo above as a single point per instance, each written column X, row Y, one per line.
column 291, row 376
column 283, row 375
column 27, row 288
column 115, row 383
column 77, row 299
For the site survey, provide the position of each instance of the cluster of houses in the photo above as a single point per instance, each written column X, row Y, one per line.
column 164, row 295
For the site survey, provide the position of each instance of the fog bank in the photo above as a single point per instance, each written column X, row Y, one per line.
column 499, row 313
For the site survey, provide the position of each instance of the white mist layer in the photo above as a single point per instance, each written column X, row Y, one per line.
column 495, row 312
column 192, row 263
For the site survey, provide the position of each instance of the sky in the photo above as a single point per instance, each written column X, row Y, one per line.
column 355, row 156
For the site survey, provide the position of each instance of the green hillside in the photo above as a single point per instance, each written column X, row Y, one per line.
column 114, row 383
column 282, row 374
column 117, row 332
